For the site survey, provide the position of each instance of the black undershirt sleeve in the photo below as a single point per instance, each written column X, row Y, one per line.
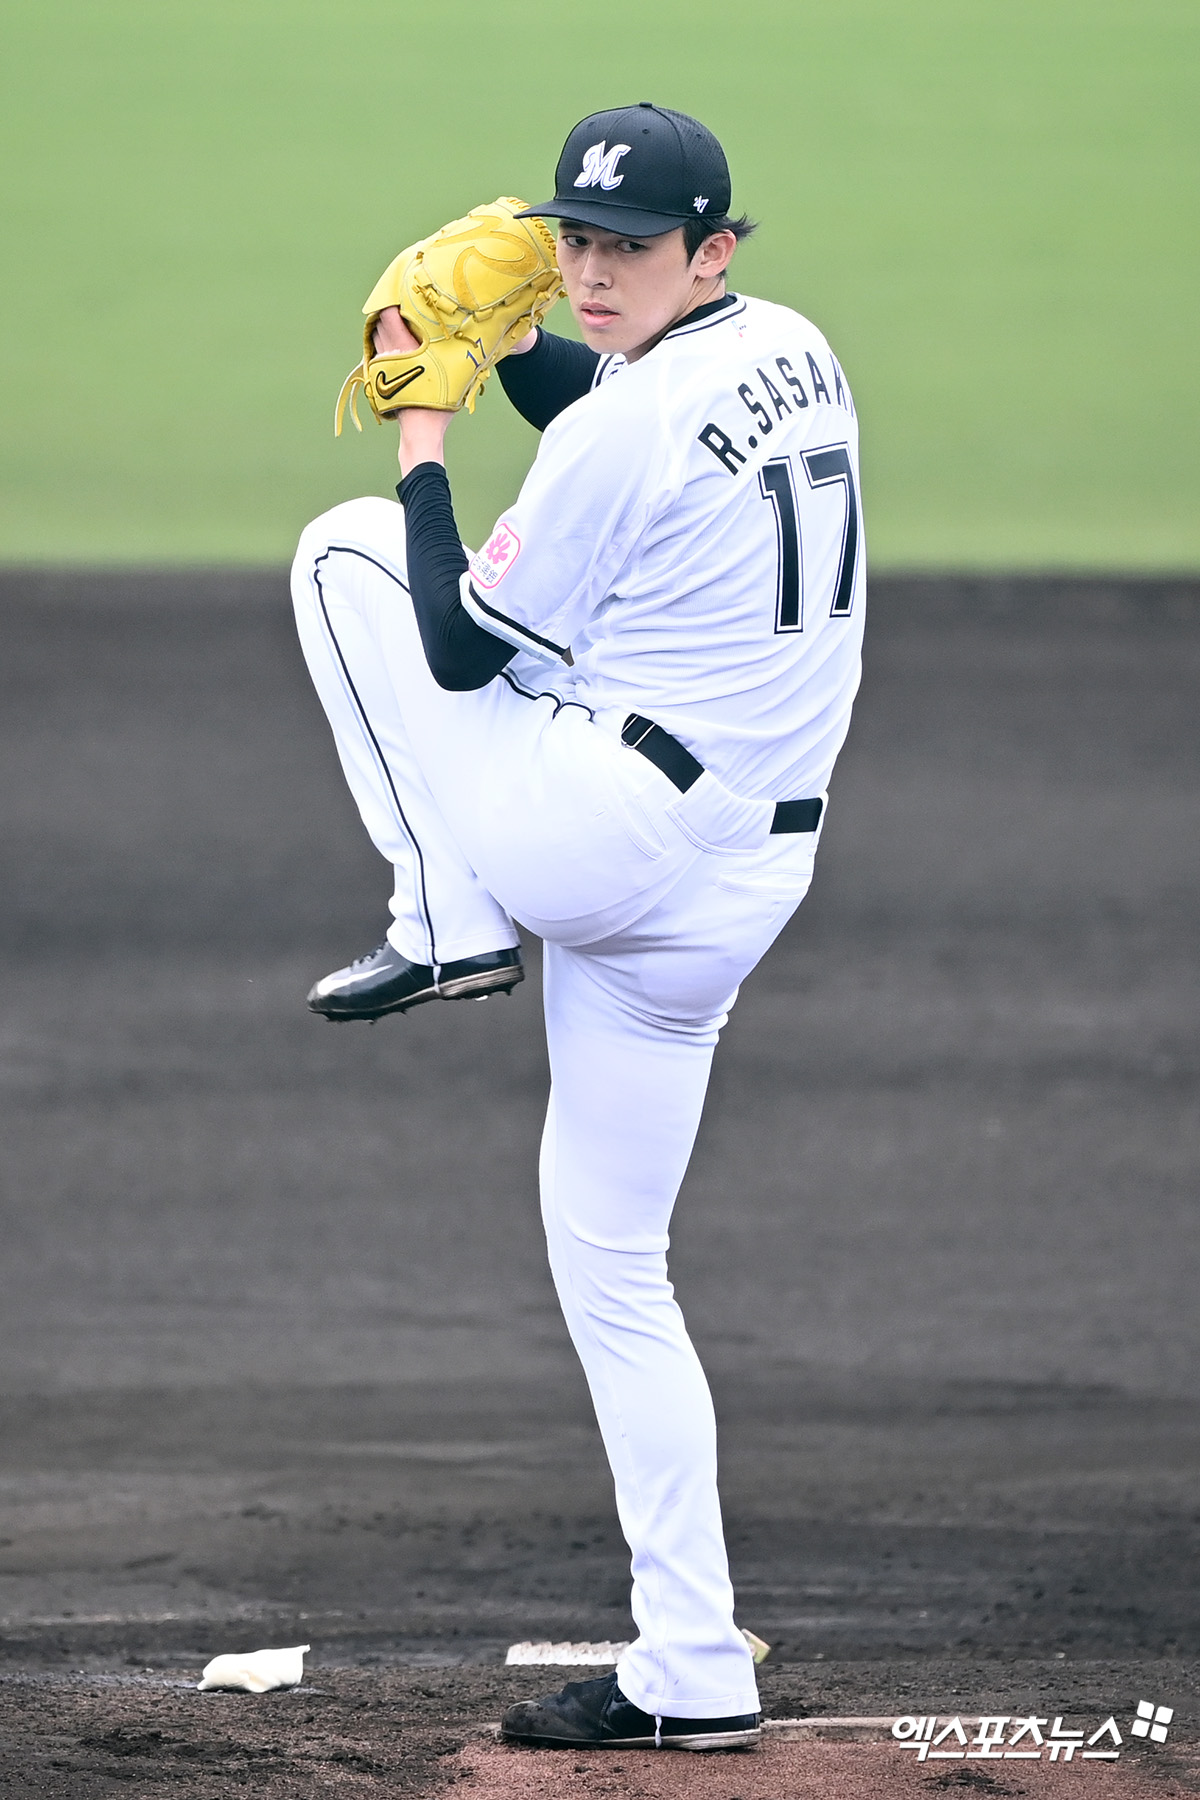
column 460, row 654
column 544, row 380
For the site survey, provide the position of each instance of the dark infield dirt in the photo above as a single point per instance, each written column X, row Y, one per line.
column 280, row 1361
column 404, row 1731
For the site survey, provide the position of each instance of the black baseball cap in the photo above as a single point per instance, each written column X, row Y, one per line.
column 640, row 170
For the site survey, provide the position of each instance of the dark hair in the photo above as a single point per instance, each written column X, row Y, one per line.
column 696, row 230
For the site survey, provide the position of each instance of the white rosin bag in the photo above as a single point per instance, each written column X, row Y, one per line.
column 256, row 1671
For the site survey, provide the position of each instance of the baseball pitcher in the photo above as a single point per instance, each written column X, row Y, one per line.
column 615, row 725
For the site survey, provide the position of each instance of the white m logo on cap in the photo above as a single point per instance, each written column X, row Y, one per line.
column 600, row 166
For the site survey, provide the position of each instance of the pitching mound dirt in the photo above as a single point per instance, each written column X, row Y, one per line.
column 785, row 1771
column 416, row 1734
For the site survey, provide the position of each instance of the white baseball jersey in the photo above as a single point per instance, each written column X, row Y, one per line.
column 691, row 530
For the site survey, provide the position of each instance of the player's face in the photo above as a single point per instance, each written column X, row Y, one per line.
column 626, row 292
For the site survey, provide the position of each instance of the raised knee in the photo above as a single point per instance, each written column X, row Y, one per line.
column 368, row 523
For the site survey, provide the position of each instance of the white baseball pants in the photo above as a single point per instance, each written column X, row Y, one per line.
column 516, row 802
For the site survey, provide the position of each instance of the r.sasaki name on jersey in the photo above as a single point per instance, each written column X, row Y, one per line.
column 769, row 400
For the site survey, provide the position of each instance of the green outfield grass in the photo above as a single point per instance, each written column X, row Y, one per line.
column 988, row 205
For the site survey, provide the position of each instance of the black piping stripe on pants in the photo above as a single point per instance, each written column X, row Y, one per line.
column 368, row 731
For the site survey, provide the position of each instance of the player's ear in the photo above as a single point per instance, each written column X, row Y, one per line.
column 715, row 254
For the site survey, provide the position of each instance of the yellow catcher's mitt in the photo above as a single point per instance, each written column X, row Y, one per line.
column 468, row 293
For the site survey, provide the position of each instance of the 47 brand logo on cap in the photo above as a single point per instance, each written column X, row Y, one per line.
column 600, row 166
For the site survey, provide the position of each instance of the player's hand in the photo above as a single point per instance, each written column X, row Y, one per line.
column 421, row 429
column 392, row 336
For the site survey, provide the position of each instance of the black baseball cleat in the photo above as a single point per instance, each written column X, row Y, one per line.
column 596, row 1715
column 386, row 982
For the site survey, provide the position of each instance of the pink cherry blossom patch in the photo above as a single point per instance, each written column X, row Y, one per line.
column 490, row 565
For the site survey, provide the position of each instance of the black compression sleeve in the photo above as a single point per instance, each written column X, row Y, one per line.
column 460, row 654
column 549, row 377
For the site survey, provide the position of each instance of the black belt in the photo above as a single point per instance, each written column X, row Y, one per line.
column 681, row 767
